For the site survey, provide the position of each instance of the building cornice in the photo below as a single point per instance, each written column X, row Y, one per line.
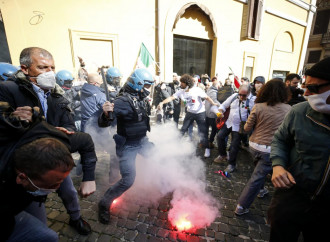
column 285, row 16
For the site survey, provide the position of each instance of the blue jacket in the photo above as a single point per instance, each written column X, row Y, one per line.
column 92, row 98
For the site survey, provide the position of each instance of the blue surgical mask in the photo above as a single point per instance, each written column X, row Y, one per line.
column 40, row 191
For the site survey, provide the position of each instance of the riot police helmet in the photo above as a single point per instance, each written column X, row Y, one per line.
column 7, row 70
column 139, row 78
column 113, row 76
column 64, row 78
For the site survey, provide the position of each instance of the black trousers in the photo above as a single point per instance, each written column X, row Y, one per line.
column 292, row 211
column 214, row 130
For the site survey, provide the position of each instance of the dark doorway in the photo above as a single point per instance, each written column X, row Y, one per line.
column 191, row 55
column 4, row 50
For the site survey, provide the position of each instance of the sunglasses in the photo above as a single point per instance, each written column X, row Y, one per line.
column 316, row 88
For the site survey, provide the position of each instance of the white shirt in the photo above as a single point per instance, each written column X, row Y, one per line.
column 234, row 120
column 192, row 99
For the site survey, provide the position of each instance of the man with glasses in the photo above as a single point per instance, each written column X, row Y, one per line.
column 240, row 105
column 300, row 154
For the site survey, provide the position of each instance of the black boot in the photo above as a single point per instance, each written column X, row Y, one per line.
column 81, row 226
column 104, row 214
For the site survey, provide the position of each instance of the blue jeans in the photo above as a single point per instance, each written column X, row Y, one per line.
column 257, row 180
column 29, row 228
column 200, row 120
column 126, row 154
column 234, row 145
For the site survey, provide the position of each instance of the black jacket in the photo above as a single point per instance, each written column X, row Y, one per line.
column 132, row 122
column 14, row 198
column 18, row 92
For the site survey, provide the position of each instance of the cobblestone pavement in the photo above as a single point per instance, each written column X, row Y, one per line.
column 137, row 222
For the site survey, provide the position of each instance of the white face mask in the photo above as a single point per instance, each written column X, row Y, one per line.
column 46, row 80
column 318, row 102
column 258, row 86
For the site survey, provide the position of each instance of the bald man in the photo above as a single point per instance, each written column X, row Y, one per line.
column 92, row 99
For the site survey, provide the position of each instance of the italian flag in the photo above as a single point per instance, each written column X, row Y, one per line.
column 145, row 59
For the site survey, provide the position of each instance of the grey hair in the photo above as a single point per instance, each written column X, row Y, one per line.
column 25, row 56
column 245, row 87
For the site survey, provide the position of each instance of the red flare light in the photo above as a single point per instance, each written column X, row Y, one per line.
column 183, row 224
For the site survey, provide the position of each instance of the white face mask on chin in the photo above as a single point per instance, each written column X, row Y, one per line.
column 46, row 80
column 318, row 102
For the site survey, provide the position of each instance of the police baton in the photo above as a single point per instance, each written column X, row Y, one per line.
column 105, row 84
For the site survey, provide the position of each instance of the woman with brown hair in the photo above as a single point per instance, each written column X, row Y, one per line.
column 266, row 116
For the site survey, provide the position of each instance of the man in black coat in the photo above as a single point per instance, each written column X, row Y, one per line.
column 35, row 159
column 34, row 86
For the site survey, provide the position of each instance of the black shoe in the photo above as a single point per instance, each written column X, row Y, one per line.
column 81, row 226
column 104, row 214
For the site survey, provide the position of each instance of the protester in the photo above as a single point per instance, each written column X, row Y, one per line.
column 192, row 96
column 39, row 168
column 296, row 95
column 92, row 100
column 162, row 91
column 212, row 92
column 292, row 80
column 225, row 91
column 132, row 126
column 258, row 82
column 240, row 105
column 300, row 159
column 34, row 161
column 175, row 86
column 34, row 86
column 82, row 73
column 266, row 116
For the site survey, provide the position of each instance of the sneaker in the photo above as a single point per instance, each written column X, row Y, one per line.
column 230, row 168
column 220, row 159
column 240, row 210
column 207, row 153
column 262, row 192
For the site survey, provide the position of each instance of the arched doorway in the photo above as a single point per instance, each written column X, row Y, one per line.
column 190, row 40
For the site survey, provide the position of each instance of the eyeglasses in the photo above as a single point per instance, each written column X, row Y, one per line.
column 242, row 95
column 316, row 88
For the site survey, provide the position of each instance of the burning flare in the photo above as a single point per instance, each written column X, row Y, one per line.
column 183, row 224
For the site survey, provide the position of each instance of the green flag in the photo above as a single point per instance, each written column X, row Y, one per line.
column 145, row 58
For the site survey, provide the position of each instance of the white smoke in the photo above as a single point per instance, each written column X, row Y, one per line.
column 172, row 167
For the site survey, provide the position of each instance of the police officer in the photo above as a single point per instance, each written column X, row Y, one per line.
column 113, row 77
column 64, row 79
column 7, row 70
column 132, row 125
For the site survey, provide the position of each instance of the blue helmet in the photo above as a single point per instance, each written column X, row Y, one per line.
column 64, row 78
column 113, row 76
column 138, row 78
column 7, row 70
